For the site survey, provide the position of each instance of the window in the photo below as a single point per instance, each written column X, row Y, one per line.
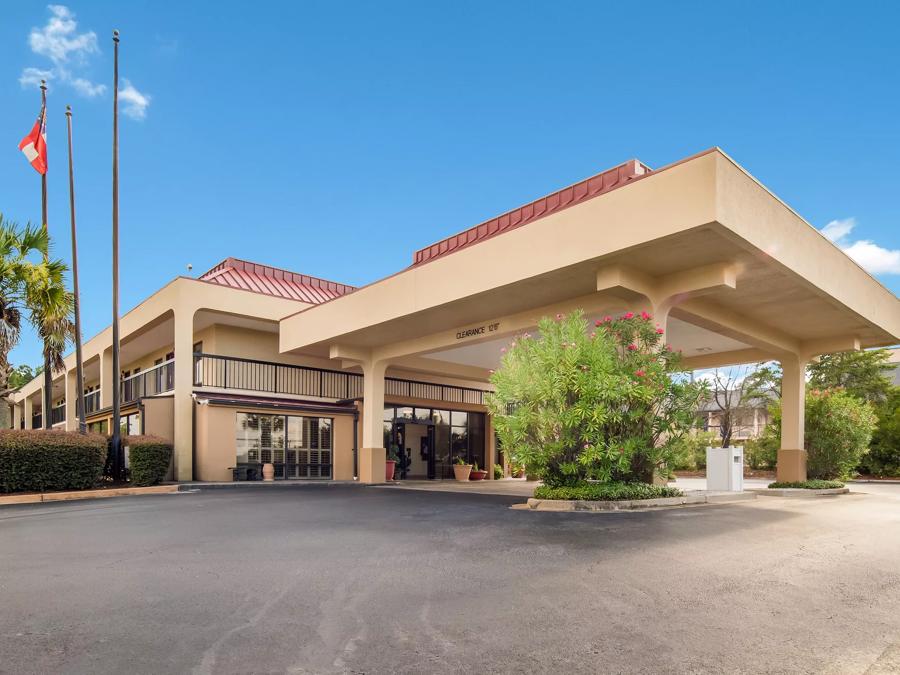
column 299, row 447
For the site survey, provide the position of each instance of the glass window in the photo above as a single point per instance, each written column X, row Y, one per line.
column 299, row 447
column 423, row 414
column 388, row 413
column 404, row 413
column 459, row 419
column 440, row 416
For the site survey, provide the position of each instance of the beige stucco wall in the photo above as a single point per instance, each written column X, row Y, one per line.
column 216, row 441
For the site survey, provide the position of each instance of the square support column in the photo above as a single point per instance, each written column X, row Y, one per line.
column 71, row 388
column 792, row 454
column 28, row 408
column 372, row 454
column 183, row 411
column 17, row 415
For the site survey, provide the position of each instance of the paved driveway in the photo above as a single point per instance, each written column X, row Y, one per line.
column 353, row 579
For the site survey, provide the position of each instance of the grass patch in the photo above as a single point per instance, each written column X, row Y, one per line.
column 606, row 492
column 809, row 484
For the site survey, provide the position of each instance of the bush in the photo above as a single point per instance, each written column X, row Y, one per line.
column 606, row 492
column 596, row 402
column 690, row 450
column 809, row 484
column 149, row 458
column 839, row 427
column 498, row 472
column 760, row 454
column 41, row 460
column 883, row 458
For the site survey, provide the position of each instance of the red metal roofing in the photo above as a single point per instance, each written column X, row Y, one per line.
column 251, row 276
column 574, row 194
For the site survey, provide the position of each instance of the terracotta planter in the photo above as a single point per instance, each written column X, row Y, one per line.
column 268, row 472
column 462, row 471
column 390, row 466
column 478, row 475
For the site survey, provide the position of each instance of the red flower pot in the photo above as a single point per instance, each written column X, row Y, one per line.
column 478, row 475
column 390, row 466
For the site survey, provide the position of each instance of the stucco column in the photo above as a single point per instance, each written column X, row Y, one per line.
column 28, row 407
column 183, row 403
column 106, row 378
column 372, row 453
column 17, row 416
column 792, row 454
column 71, row 389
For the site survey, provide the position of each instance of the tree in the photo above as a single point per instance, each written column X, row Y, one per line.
column 839, row 427
column 883, row 458
column 22, row 375
column 731, row 391
column 33, row 286
column 606, row 404
column 864, row 374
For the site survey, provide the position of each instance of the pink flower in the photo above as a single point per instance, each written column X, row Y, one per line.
column 659, row 331
column 559, row 317
column 645, row 316
column 597, row 323
column 574, row 345
column 593, row 335
column 491, row 371
column 586, row 446
column 607, row 319
column 640, row 373
column 513, row 343
column 632, row 347
column 628, row 315
column 527, row 335
column 584, row 368
column 502, row 350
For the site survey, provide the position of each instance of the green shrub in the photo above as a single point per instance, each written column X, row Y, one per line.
column 760, row 454
column 498, row 472
column 690, row 450
column 606, row 491
column 883, row 458
column 37, row 460
column 597, row 402
column 809, row 484
column 839, row 427
column 149, row 458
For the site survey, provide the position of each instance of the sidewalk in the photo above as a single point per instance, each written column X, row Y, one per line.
column 38, row 497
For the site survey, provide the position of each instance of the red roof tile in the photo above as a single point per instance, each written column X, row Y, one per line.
column 258, row 278
column 562, row 199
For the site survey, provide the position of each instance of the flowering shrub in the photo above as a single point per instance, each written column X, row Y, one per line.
column 592, row 402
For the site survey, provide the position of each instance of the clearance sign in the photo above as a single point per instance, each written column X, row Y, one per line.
column 478, row 330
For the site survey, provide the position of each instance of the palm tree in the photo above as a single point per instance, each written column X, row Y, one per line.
column 34, row 286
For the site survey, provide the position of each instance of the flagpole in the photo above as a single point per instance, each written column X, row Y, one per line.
column 48, row 377
column 117, row 413
column 79, row 368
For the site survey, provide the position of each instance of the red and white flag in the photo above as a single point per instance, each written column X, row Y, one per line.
column 34, row 145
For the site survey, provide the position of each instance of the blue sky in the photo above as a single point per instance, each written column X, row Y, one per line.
column 336, row 138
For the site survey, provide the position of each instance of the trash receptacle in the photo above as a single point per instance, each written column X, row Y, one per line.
column 725, row 469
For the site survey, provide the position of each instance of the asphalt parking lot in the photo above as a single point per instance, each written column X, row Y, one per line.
column 364, row 580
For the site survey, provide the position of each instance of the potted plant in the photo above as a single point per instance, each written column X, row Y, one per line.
column 498, row 471
column 390, row 464
column 477, row 474
column 516, row 470
column 461, row 470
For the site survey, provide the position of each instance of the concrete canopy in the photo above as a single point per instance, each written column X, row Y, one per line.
column 701, row 239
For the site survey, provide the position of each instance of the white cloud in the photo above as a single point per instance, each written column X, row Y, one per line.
column 135, row 102
column 68, row 51
column 872, row 257
column 31, row 77
column 86, row 87
column 59, row 38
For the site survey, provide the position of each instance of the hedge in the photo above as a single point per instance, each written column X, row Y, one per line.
column 36, row 460
column 606, row 491
column 148, row 458
column 814, row 484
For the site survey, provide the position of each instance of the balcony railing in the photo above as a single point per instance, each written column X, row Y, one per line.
column 58, row 414
column 229, row 372
column 156, row 380
column 37, row 421
column 92, row 402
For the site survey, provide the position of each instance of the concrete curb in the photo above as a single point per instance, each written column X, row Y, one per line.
column 688, row 499
column 86, row 494
column 799, row 492
column 259, row 484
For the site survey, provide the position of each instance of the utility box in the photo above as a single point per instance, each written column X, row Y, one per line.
column 725, row 469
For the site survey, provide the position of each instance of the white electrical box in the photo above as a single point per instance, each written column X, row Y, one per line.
column 725, row 469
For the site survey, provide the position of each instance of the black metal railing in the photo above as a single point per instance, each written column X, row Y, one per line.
column 37, row 421
column 92, row 402
column 58, row 414
column 156, row 380
column 230, row 372
column 434, row 392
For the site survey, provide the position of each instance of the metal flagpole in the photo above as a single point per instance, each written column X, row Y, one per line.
column 79, row 368
column 118, row 451
column 48, row 377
